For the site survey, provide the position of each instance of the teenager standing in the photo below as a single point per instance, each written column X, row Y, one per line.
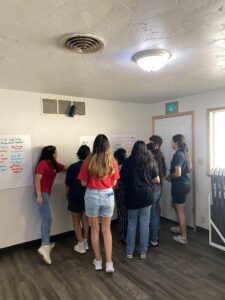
column 139, row 174
column 99, row 173
column 45, row 172
column 181, row 166
column 154, row 147
column 75, row 195
column 120, row 156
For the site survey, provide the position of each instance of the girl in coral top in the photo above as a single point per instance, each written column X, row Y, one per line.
column 99, row 173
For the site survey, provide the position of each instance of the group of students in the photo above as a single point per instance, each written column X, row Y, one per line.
column 136, row 182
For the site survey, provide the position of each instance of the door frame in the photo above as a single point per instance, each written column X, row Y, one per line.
column 181, row 114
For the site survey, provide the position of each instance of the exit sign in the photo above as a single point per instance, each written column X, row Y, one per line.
column 171, row 107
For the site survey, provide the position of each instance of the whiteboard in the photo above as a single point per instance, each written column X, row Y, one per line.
column 87, row 140
column 15, row 161
column 166, row 127
column 116, row 141
column 123, row 141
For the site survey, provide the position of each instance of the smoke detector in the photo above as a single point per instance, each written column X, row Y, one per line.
column 82, row 44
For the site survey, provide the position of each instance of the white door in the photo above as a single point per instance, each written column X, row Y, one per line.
column 166, row 127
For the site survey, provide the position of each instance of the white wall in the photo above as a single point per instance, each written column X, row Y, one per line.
column 199, row 104
column 20, row 113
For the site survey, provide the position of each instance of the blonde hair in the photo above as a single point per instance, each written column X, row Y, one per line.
column 100, row 161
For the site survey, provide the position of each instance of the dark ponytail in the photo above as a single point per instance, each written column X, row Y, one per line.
column 47, row 153
column 179, row 139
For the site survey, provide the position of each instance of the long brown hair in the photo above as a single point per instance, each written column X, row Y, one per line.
column 100, row 161
column 47, row 153
column 142, row 157
column 179, row 139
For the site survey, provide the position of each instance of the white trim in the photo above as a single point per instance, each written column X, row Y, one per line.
column 218, row 232
column 210, row 231
column 217, row 246
column 212, row 224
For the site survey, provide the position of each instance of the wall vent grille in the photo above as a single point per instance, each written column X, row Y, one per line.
column 80, row 107
column 49, row 106
column 62, row 107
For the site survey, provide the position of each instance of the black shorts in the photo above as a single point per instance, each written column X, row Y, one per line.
column 179, row 191
column 76, row 205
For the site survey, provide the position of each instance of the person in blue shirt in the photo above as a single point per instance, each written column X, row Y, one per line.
column 181, row 166
column 75, row 195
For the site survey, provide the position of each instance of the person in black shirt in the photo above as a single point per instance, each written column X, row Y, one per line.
column 154, row 148
column 75, row 193
column 120, row 156
column 138, row 174
column 181, row 166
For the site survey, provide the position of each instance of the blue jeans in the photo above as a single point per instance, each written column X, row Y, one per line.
column 139, row 216
column 155, row 218
column 99, row 202
column 45, row 212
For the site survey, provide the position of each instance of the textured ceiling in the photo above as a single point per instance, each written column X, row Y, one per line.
column 32, row 58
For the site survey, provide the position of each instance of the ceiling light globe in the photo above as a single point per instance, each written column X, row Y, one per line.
column 152, row 60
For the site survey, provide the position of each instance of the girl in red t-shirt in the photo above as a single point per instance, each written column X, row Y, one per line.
column 99, row 173
column 45, row 173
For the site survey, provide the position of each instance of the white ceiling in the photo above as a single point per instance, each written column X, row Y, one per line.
column 32, row 58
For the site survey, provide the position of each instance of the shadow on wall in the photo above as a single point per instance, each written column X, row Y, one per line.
column 61, row 218
column 36, row 152
column 31, row 218
column 20, row 217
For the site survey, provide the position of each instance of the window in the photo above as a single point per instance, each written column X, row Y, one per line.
column 216, row 138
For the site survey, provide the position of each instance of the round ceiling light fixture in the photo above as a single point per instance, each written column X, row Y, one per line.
column 152, row 60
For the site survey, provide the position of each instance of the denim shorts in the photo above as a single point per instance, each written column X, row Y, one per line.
column 99, row 202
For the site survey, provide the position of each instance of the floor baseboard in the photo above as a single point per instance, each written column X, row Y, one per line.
column 70, row 233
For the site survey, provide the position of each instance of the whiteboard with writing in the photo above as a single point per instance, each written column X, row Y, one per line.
column 123, row 141
column 15, row 161
column 116, row 141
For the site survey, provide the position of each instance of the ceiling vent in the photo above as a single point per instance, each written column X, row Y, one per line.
column 83, row 44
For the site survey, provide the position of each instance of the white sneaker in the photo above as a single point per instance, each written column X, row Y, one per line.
column 52, row 245
column 80, row 248
column 45, row 251
column 175, row 229
column 180, row 239
column 86, row 244
column 143, row 256
column 97, row 264
column 109, row 267
column 130, row 256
